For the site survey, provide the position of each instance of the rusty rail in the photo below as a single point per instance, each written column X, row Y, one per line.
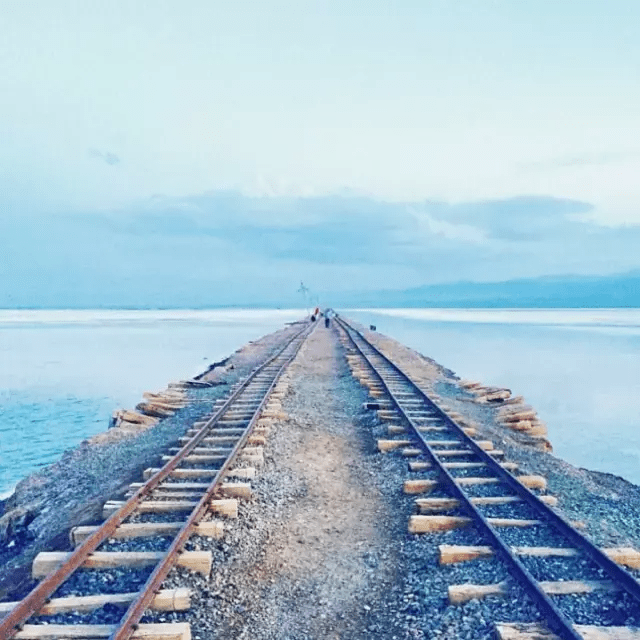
column 136, row 609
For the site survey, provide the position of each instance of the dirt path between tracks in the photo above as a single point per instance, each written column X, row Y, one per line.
column 331, row 542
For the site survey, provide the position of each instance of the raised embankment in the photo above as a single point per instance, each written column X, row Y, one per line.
column 332, row 493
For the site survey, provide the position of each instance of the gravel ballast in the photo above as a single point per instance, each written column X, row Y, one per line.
column 281, row 569
column 322, row 550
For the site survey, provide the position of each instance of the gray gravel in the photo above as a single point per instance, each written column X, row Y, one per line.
column 86, row 582
column 517, row 510
column 579, row 568
column 601, row 609
column 136, row 544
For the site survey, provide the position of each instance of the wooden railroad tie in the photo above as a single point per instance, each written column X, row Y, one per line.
column 425, row 486
column 385, row 446
column 432, row 524
column 237, row 415
column 454, row 453
column 160, row 631
column 174, row 490
column 164, row 600
column 248, row 454
column 256, row 459
column 225, row 439
column 387, row 414
column 394, row 430
column 377, row 404
column 461, row 593
column 410, row 452
column 389, row 445
column 227, row 507
column 206, row 529
column 450, row 554
column 197, row 459
column 535, row 631
column 276, row 415
column 243, row 472
column 438, row 505
column 178, row 486
column 204, row 451
column 521, row 410
column 512, row 401
column 47, row 562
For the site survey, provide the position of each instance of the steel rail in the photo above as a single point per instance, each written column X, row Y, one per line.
column 615, row 571
column 136, row 610
column 555, row 618
column 41, row 593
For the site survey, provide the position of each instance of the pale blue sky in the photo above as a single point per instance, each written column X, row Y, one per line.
column 105, row 104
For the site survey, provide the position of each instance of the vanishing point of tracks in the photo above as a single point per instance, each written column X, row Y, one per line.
column 476, row 488
column 174, row 503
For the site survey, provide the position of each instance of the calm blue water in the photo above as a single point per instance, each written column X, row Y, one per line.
column 579, row 368
column 62, row 373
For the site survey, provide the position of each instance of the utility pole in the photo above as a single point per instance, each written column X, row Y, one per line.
column 305, row 292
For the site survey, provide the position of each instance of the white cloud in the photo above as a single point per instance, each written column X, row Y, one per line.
column 459, row 232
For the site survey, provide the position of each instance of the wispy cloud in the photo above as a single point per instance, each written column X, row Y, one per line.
column 601, row 158
column 226, row 247
column 523, row 218
column 108, row 157
column 359, row 230
column 455, row 231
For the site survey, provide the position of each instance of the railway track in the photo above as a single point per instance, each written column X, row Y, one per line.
column 144, row 536
column 461, row 481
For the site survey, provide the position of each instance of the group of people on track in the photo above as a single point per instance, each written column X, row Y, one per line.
column 327, row 313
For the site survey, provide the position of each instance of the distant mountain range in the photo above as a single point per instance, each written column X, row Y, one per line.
column 620, row 290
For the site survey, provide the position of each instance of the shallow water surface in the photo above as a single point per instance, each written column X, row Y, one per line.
column 62, row 373
column 580, row 368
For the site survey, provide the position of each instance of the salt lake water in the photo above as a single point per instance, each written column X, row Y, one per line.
column 580, row 368
column 62, row 373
